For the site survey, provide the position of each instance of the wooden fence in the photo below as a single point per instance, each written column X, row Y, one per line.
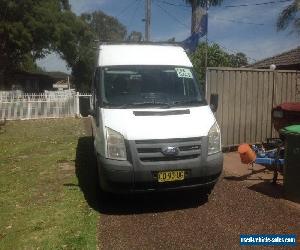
column 246, row 98
column 51, row 104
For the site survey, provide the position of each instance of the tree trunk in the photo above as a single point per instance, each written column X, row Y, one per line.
column 197, row 13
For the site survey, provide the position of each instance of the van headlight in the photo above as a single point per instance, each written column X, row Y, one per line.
column 214, row 139
column 116, row 148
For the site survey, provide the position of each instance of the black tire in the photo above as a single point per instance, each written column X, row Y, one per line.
column 207, row 189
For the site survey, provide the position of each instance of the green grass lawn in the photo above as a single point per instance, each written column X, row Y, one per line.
column 42, row 205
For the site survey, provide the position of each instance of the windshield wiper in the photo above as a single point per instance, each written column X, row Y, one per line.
column 154, row 103
column 189, row 102
column 134, row 104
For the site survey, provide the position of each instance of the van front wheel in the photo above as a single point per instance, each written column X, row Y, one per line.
column 207, row 189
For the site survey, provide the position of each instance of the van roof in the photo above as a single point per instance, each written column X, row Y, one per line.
column 117, row 54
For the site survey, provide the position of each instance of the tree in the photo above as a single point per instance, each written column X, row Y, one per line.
column 135, row 36
column 31, row 29
column 77, row 48
column 290, row 15
column 216, row 57
column 28, row 31
column 82, row 57
column 198, row 9
column 106, row 28
column 238, row 60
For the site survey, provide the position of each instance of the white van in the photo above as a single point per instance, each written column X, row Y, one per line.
column 152, row 127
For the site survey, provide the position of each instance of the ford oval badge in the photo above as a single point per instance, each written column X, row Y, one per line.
column 170, row 151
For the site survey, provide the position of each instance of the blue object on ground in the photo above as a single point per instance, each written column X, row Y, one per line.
column 269, row 161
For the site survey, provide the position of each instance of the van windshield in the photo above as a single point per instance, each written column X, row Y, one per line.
column 158, row 86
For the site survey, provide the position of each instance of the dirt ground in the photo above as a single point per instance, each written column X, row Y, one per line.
column 185, row 221
column 241, row 203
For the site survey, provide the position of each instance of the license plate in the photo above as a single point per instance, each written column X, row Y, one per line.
column 170, row 176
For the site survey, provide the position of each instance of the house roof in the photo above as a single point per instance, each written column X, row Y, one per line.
column 57, row 74
column 291, row 57
column 51, row 75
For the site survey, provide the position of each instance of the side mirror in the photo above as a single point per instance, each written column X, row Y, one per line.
column 214, row 102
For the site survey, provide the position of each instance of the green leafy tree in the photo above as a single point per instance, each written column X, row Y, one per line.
column 216, row 57
column 199, row 8
column 238, row 60
column 31, row 29
column 28, row 28
column 290, row 15
column 106, row 28
column 28, row 64
column 135, row 36
column 82, row 56
column 77, row 48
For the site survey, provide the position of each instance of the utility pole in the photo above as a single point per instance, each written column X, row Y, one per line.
column 147, row 19
column 206, row 39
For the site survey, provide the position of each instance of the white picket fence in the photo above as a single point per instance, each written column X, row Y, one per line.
column 51, row 104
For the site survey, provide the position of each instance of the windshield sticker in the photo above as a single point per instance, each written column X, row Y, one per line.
column 135, row 77
column 184, row 73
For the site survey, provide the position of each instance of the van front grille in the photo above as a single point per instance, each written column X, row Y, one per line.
column 152, row 150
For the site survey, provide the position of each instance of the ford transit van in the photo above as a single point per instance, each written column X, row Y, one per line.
column 153, row 129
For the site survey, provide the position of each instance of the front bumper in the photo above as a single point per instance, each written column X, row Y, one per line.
column 130, row 177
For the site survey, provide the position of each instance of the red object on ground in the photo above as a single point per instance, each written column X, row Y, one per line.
column 286, row 114
column 246, row 153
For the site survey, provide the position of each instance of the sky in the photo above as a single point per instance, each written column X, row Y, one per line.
column 249, row 29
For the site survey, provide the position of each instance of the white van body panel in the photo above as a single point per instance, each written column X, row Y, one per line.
column 99, row 134
column 195, row 124
column 118, row 55
column 171, row 138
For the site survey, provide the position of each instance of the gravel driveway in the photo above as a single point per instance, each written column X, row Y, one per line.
column 185, row 221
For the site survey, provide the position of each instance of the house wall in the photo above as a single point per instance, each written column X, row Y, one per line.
column 29, row 82
column 246, row 98
column 33, row 83
column 288, row 67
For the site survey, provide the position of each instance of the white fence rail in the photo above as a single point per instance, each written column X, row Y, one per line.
column 54, row 104
column 10, row 94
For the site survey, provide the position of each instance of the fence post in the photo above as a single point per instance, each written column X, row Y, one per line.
column 3, row 106
column 91, row 102
column 29, row 110
column 21, row 109
column 77, row 111
column 16, row 106
column 49, row 105
column 274, row 100
column 39, row 105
